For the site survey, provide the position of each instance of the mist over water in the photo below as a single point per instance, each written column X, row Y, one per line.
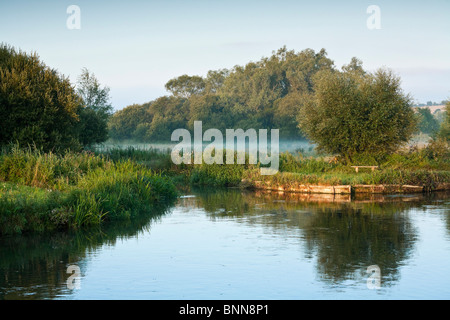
column 285, row 145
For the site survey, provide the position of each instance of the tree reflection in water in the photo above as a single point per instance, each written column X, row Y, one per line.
column 34, row 266
column 341, row 235
column 345, row 234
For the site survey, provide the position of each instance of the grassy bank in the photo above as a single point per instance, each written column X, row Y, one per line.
column 427, row 167
column 407, row 168
column 43, row 191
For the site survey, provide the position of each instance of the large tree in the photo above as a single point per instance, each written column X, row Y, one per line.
column 353, row 112
column 38, row 106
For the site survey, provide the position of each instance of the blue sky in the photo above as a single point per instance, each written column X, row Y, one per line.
column 135, row 47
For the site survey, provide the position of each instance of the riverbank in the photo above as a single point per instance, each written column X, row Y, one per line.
column 408, row 172
column 438, row 182
column 413, row 171
column 348, row 189
column 45, row 191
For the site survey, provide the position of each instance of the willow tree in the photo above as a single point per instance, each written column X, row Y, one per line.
column 356, row 113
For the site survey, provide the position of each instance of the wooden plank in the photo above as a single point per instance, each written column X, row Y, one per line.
column 357, row 167
column 412, row 189
column 322, row 189
column 342, row 189
column 364, row 166
column 367, row 188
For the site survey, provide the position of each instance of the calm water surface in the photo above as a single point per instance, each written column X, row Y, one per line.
column 231, row 244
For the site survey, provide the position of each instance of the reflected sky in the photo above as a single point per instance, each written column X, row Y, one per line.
column 230, row 244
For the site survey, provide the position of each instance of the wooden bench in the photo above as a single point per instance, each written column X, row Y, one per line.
column 357, row 167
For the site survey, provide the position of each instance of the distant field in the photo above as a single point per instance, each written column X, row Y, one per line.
column 433, row 109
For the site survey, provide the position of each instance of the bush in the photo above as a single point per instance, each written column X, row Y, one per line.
column 355, row 112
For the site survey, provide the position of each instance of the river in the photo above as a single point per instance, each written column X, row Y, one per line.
column 234, row 244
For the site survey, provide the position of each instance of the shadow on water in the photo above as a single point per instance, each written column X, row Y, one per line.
column 34, row 266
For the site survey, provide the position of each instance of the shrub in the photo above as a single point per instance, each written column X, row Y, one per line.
column 355, row 112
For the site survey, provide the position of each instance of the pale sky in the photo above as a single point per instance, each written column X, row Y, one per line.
column 134, row 47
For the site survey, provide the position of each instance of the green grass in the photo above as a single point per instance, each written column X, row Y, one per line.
column 426, row 167
column 217, row 175
column 48, row 191
column 123, row 191
column 155, row 159
column 414, row 167
column 44, row 191
column 47, row 170
column 429, row 179
column 27, row 208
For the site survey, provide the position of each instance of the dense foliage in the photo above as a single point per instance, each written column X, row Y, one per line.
column 427, row 122
column 354, row 113
column 37, row 105
column 264, row 94
column 346, row 112
column 40, row 107
column 95, row 111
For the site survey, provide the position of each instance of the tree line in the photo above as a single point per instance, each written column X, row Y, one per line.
column 346, row 111
column 264, row 94
column 303, row 94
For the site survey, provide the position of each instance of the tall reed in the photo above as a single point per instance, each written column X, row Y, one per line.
column 45, row 190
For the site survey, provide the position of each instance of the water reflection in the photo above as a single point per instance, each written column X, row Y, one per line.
column 340, row 235
column 349, row 239
column 34, row 266
column 345, row 234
